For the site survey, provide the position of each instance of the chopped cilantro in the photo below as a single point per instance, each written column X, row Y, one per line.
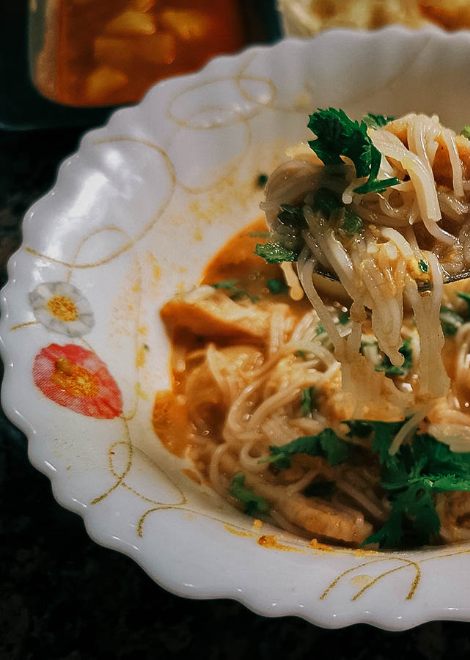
column 423, row 266
column 450, row 321
column 376, row 185
column 338, row 135
column 326, row 444
column 252, row 503
column 319, row 330
column 352, row 223
column 233, row 290
column 377, row 121
column 465, row 296
column 390, row 370
column 291, row 215
column 276, row 286
column 383, row 433
column 262, row 180
column 326, row 201
column 323, row 489
column 301, row 354
column 412, row 476
column 307, row 403
column 343, row 318
column 225, row 284
column 466, row 131
column 275, row 253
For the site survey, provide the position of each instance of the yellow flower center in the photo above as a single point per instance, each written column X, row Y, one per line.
column 63, row 308
column 75, row 380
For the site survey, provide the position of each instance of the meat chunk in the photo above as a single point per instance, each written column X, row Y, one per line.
column 210, row 313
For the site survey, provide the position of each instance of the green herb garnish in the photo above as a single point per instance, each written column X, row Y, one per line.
column 275, row 253
column 338, row 135
column 423, row 266
column 233, row 290
column 307, row 402
column 319, row 330
column 276, row 286
column 326, row 444
column 377, row 121
column 465, row 296
column 291, row 215
column 390, row 370
column 326, row 201
column 450, row 321
column 343, row 318
column 411, row 477
column 466, row 131
column 252, row 503
column 262, row 180
column 352, row 224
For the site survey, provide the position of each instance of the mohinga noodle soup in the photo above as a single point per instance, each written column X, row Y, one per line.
column 321, row 369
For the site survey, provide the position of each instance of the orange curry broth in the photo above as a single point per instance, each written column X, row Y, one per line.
column 111, row 51
column 235, row 260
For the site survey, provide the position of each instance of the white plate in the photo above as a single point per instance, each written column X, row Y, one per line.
column 134, row 216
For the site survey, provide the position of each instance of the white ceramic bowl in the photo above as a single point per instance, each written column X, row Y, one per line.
column 134, row 215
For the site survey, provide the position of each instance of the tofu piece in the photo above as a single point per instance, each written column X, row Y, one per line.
column 209, row 313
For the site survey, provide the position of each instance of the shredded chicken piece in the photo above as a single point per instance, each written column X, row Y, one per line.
column 210, row 313
column 328, row 521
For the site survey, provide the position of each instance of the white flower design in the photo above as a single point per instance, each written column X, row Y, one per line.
column 62, row 308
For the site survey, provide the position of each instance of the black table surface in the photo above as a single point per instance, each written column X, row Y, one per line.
column 63, row 596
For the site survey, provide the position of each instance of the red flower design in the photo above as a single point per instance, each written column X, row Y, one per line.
column 77, row 379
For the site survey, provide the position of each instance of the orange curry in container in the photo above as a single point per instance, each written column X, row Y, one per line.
column 110, row 52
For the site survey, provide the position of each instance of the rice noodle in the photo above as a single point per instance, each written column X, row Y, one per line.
column 313, row 370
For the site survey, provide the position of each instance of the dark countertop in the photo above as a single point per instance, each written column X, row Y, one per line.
column 63, row 597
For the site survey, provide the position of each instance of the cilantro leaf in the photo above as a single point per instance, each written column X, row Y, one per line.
column 307, row 403
column 290, row 215
column 383, row 434
column 376, row 186
column 261, row 180
column 391, row 370
column 276, row 286
column 465, row 131
column 450, row 321
column 275, row 253
column 377, row 121
column 465, row 296
column 233, row 290
column 343, row 318
column 423, row 266
column 338, row 135
column 252, row 503
column 411, row 477
column 352, row 223
column 326, row 201
column 225, row 284
column 326, row 444
column 413, row 514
